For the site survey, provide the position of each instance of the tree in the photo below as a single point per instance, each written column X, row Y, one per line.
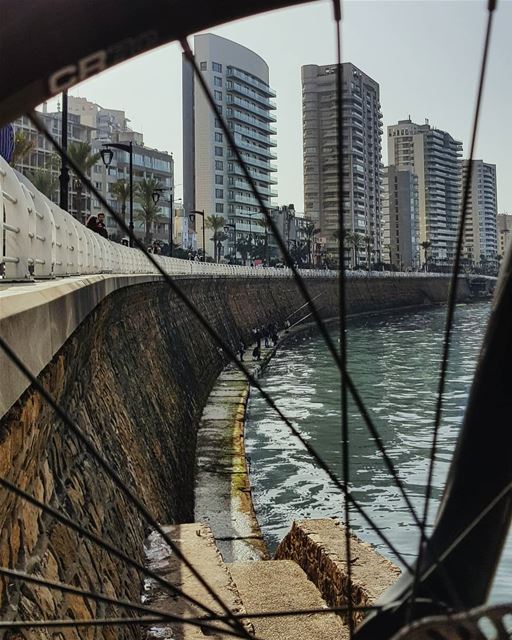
column 148, row 211
column 23, row 145
column 356, row 240
column 44, row 181
column 368, row 242
column 244, row 246
column 80, row 153
column 426, row 246
column 310, row 231
column 216, row 223
column 121, row 192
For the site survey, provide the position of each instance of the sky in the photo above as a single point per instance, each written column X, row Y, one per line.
column 424, row 54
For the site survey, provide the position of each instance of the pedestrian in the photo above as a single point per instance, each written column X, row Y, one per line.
column 100, row 225
column 275, row 337
column 258, row 338
column 256, row 353
column 241, row 350
column 266, row 336
column 92, row 223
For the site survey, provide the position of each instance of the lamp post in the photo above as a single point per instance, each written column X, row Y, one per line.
column 192, row 218
column 156, row 195
column 107, row 155
column 227, row 227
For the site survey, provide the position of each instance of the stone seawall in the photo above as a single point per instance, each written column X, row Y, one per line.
column 135, row 376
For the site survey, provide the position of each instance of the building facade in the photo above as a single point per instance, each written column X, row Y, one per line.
column 480, row 230
column 213, row 180
column 90, row 123
column 42, row 164
column 435, row 158
column 400, row 218
column 361, row 150
column 504, row 229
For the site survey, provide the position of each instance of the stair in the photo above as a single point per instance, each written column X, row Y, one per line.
column 309, row 573
column 281, row 585
column 197, row 544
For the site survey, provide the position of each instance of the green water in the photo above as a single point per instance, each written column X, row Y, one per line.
column 394, row 362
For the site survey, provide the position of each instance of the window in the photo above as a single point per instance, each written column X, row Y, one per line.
column 217, row 67
column 219, row 179
column 217, row 81
column 219, row 193
column 217, row 124
column 218, row 137
column 203, row 66
column 219, row 207
column 219, row 165
column 217, row 95
column 218, row 151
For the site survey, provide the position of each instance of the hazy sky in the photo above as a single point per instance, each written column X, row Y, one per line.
column 424, row 54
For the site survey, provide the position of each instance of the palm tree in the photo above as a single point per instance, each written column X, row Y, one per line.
column 355, row 239
column 80, row 153
column 121, row 192
column 148, row 211
column 368, row 242
column 217, row 224
column 244, row 246
column 310, row 231
column 23, row 145
column 426, row 246
column 44, row 181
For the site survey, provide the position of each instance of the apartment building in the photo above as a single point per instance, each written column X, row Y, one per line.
column 504, row 229
column 435, row 158
column 361, row 149
column 213, row 181
column 400, row 218
column 480, row 230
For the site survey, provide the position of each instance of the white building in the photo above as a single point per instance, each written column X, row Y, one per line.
column 213, row 181
column 362, row 132
column 480, row 232
column 434, row 157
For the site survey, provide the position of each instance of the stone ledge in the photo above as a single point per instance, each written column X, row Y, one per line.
column 318, row 547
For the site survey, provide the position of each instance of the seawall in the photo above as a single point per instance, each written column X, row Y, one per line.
column 135, row 375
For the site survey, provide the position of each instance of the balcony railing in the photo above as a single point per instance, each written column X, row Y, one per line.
column 250, row 80
column 252, row 108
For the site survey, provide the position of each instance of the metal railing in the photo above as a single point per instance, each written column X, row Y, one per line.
column 38, row 239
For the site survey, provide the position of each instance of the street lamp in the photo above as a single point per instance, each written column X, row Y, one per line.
column 227, row 227
column 156, row 195
column 107, row 155
column 192, row 218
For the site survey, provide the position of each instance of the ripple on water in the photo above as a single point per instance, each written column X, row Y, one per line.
column 394, row 362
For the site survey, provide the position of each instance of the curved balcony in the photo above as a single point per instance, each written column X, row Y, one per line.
column 251, row 108
column 252, row 81
column 235, row 87
column 234, row 114
column 249, row 133
column 243, row 144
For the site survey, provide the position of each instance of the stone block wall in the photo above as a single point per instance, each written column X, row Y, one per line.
column 135, row 377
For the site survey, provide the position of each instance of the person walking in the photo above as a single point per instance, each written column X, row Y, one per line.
column 241, row 350
column 100, row 225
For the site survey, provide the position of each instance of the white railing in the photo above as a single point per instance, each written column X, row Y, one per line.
column 38, row 239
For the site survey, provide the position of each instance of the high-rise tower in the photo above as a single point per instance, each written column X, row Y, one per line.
column 362, row 131
column 212, row 179
column 434, row 156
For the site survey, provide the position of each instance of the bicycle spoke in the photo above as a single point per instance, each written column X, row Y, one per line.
column 452, row 299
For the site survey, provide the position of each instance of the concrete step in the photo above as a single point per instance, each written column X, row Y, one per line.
column 197, row 543
column 281, row 585
column 318, row 547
